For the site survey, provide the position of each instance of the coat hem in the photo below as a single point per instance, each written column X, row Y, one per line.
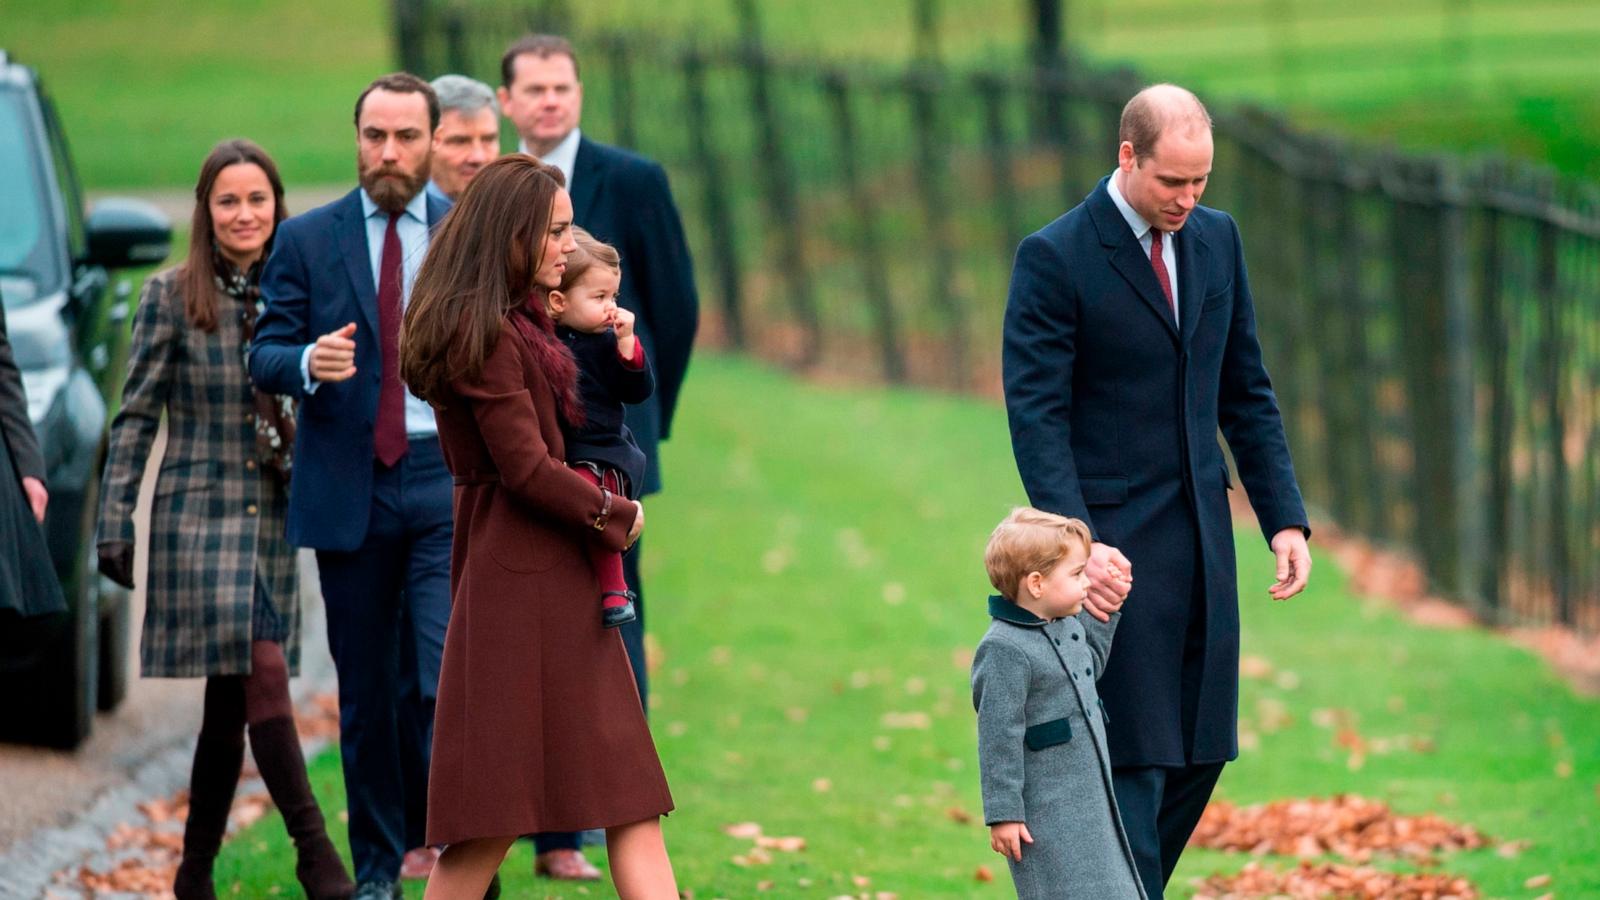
column 532, row 825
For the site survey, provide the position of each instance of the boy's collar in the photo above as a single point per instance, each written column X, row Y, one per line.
column 1007, row 611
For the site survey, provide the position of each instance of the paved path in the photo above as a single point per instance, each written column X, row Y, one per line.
column 57, row 809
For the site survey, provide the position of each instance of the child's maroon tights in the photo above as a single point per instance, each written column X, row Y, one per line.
column 607, row 564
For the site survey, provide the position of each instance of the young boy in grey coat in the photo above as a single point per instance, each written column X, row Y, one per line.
column 1047, row 795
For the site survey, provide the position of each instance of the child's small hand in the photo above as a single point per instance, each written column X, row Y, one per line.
column 1007, row 839
column 622, row 321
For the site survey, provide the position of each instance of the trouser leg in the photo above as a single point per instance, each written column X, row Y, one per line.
column 1139, row 790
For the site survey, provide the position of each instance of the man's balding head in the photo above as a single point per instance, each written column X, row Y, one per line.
column 1156, row 110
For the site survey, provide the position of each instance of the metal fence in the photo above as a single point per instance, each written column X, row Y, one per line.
column 1432, row 324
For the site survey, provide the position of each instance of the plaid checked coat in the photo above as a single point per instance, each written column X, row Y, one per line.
column 217, row 518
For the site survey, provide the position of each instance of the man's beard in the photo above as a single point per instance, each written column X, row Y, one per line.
column 391, row 188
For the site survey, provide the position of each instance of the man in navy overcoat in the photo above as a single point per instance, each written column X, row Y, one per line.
column 1130, row 338
column 370, row 491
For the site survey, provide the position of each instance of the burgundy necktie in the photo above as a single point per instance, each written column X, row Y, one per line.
column 1161, row 270
column 389, row 434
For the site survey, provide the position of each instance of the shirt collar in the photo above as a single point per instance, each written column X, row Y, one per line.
column 1135, row 221
column 1006, row 611
column 416, row 209
column 563, row 155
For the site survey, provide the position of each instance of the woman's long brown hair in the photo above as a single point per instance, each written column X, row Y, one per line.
column 199, row 270
column 480, row 269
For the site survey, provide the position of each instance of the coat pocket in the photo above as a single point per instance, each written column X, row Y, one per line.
column 179, row 476
column 1047, row 734
column 1103, row 490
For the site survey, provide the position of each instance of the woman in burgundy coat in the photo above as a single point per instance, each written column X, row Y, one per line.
column 538, row 726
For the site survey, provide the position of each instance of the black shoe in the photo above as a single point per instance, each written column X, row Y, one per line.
column 493, row 893
column 612, row 616
column 378, row 890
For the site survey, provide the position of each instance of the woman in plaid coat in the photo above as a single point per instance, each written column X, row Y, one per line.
column 221, row 597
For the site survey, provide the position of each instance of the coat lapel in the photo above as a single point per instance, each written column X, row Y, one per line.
column 1194, row 261
column 1127, row 257
column 351, row 228
column 587, row 175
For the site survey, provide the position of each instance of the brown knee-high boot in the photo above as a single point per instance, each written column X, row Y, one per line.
column 276, row 745
column 218, row 757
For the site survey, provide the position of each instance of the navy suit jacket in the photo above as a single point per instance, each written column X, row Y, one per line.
column 623, row 199
column 318, row 278
column 1114, row 412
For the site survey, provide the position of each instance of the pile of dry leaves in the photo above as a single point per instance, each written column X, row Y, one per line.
column 1317, row 880
column 1348, row 826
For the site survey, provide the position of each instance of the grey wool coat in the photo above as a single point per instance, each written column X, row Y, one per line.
column 218, row 516
column 1042, row 753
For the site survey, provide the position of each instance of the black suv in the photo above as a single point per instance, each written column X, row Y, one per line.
column 67, row 327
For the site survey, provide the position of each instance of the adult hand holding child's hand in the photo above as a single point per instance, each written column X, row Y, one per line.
column 1007, row 839
column 1110, row 580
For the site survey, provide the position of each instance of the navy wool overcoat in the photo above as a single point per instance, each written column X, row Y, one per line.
column 1114, row 411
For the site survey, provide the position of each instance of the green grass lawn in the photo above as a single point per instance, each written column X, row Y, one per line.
column 816, row 587
column 146, row 88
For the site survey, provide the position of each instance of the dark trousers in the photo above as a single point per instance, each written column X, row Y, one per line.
column 1160, row 807
column 388, row 605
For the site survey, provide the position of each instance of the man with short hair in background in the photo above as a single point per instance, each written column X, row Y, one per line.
column 468, row 136
column 622, row 199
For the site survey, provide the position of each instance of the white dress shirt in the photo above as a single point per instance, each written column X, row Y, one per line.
column 1142, row 229
column 563, row 156
column 412, row 228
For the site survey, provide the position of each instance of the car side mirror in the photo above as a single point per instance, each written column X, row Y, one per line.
column 125, row 233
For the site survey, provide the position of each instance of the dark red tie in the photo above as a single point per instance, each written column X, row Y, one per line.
column 1161, row 270
column 389, row 435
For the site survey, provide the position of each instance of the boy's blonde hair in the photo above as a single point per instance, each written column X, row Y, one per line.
column 591, row 252
column 1030, row 540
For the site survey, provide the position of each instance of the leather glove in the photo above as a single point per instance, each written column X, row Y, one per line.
column 116, row 562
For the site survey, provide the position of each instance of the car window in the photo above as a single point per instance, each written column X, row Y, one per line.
column 28, row 248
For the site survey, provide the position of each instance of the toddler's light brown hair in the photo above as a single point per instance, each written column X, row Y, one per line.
column 591, row 252
column 1030, row 540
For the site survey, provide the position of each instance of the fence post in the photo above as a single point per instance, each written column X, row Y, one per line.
column 455, row 41
column 1493, row 331
column 1049, row 64
column 869, row 244
column 1551, row 375
column 1002, row 171
column 719, row 216
column 1467, row 535
column 620, row 56
column 925, row 82
column 409, row 16
column 778, row 183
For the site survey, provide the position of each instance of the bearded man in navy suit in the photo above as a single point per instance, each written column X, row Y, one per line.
column 370, row 491
column 1130, row 338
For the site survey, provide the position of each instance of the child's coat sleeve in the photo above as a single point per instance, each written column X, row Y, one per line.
column 1000, row 676
column 1097, row 635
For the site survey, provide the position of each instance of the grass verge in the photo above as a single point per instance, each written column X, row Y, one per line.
column 816, row 587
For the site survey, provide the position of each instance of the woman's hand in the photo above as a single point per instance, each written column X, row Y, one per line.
column 38, row 497
column 638, row 526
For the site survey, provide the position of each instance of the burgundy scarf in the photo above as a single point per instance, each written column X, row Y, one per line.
column 554, row 357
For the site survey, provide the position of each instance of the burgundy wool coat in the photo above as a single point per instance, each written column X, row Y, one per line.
column 538, row 725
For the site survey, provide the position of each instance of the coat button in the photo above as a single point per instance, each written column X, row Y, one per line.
column 1088, row 671
column 251, row 509
column 250, row 464
column 249, row 417
column 1057, row 640
column 1074, row 637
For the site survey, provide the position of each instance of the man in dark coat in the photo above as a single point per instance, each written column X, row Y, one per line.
column 28, row 584
column 622, row 199
column 1130, row 337
column 370, row 491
